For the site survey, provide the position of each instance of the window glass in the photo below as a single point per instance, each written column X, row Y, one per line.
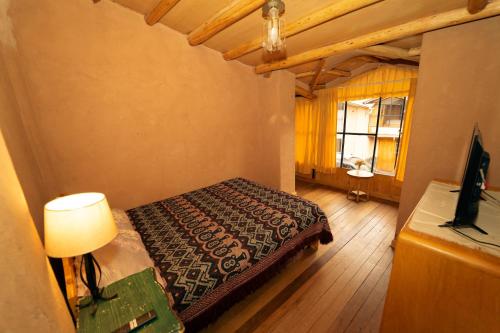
column 340, row 117
column 372, row 126
column 338, row 147
column 391, row 113
column 385, row 156
column 362, row 129
column 358, row 148
column 358, row 117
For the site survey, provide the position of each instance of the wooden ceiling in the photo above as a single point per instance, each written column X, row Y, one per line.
column 345, row 34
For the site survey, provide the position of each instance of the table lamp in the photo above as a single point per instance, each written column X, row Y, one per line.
column 77, row 225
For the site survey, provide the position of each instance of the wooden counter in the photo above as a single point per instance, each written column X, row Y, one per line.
column 440, row 280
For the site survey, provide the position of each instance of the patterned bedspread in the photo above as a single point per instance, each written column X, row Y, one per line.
column 215, row 245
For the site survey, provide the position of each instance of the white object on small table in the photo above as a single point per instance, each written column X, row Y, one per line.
column 354, row 187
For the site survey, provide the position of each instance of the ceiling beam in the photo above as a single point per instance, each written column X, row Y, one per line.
column 307, row 22
column 304, row 92
column 336, row 72
column 227, row 16
column 475, row 6
column 414, row 51
column 317, row 74
column 389, row 52
column 162, row 8
column 411, row 28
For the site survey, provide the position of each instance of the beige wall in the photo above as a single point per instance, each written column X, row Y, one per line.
column 458, row 85
column 15, row 114
column 30, row 297
column 135, row 112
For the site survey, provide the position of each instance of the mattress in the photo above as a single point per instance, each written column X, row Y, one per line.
column 215, row 245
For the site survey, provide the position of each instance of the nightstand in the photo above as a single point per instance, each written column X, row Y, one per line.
column 137, row 294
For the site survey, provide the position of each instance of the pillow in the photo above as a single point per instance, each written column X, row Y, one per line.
column 123, row 256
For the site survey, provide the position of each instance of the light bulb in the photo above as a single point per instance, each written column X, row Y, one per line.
column 272, row 34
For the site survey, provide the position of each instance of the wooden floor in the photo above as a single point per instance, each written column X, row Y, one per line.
column 338, row 288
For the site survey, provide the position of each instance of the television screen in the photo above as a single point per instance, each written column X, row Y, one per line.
column 472, row 183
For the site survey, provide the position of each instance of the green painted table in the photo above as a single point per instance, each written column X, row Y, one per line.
column 137, row 294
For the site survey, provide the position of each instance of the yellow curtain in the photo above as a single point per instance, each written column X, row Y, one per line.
column 316, row 133
column 385, row 81
column 405, row 138
column 306, row 123
column 316, row 120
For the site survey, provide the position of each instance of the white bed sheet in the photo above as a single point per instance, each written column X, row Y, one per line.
column 125, row 255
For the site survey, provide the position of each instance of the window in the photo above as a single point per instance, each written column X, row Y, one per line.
column 369, row 130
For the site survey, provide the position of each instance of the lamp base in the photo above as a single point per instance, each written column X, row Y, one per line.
column 91, row 283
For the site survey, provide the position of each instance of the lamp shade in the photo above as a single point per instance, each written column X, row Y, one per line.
column 77, row 224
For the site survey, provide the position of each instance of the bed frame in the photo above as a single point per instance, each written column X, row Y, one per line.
column 71, row 286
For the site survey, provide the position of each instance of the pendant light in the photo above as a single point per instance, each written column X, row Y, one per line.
column 273, row 38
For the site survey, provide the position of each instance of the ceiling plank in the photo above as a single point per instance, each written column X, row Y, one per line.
column 320, row 86
column 227, row 16
column 475, row 6
column 307, row 22
column 389, row 61
column 415, row 51
column 411, row 28
column 355, row 62
column 351, row 63
column 160, row 10
column 305, row 74
column 304, row 92
column 360, row 61
column 399, row 62
column 316, row 75
column 336, row 72
column 389, row 52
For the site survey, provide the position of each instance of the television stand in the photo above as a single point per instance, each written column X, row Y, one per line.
column 449, row 224
column 441, row 281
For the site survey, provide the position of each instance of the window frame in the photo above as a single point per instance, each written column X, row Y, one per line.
column 344, row 133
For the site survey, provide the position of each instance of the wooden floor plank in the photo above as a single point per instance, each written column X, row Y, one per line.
column 362, row 322
column 322, row 290
column 346, row 316
column 339, row 287
column 331, row 304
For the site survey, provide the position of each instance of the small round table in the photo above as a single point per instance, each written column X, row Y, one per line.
column 355, row 177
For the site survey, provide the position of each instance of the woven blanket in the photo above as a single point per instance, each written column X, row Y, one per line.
column 217, row 244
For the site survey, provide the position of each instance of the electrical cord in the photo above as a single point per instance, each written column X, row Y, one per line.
column 474, row 239
column 85, row 280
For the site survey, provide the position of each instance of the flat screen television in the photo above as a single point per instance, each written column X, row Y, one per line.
column 472, row 184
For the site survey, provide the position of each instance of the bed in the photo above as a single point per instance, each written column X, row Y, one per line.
column 213, row 246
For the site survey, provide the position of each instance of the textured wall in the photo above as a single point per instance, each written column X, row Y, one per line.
column 15, row 120
column 458, row 85
column 30, row 297
column 135, row 112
